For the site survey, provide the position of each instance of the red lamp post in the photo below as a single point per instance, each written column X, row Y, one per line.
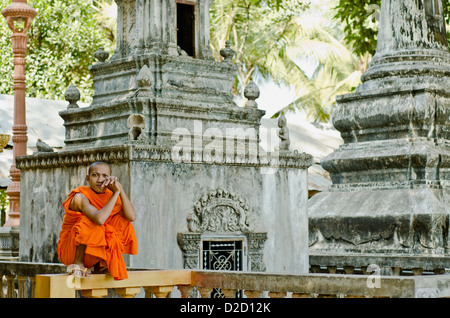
column 18, row 16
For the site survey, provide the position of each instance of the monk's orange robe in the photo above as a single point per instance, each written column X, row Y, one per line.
column 104, row 243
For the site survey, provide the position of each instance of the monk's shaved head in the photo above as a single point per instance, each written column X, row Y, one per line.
column 96, row 164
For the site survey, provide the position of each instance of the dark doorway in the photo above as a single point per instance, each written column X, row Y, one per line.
column 186, row 27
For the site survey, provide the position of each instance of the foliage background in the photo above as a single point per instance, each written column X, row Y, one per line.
column 360, row 28
column 3, row 206
column 61, row 46
column 272, row 38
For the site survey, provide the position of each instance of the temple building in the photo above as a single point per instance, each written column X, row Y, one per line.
column 163, row 115
column 219, row 214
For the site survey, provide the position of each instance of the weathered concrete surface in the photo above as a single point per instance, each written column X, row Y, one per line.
column 329, row 285
column 386, row 264
column 411, row 221
column 42, row 194
column 169, row 192
column 412, row 46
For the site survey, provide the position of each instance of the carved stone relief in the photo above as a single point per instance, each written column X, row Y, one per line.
column 136, row 126
column 221, row 212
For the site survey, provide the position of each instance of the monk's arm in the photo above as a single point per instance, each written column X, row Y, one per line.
column 127, row 207
column 82, row 204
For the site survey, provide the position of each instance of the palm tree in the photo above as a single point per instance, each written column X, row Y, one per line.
column 337, row 69
column 280, row 42
column 106, row 16
column 259, row 34
column 283, row 44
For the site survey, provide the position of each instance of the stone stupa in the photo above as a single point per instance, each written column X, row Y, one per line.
column 390, row 179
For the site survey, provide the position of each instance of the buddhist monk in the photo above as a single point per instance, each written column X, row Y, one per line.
column 97, row 229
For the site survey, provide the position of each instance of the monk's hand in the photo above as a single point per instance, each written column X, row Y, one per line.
column 113, row 184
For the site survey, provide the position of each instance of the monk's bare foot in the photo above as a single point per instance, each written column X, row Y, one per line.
column 79, row 270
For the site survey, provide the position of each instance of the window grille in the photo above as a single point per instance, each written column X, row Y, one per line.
column 223, row 255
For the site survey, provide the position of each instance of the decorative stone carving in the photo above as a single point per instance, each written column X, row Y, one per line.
column 9, row 243
column 136, row 126
column 220, row 211
column 256, row 243
column 150, row 153
column 251, row 92
column 73, row 158
column 227, row 53
column 205, row 53
column 72, row 95
column 181, row 51
column 190, row 245
column 283, row 133
column 43, row 147
column 144, row 78
column 101, row 55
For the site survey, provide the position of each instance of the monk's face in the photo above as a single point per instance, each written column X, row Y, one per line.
column 98, row 174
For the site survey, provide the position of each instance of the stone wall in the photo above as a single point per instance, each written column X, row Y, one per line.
column 263, row 199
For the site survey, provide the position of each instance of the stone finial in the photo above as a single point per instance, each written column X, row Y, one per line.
column 283, row 134
column 101, row 55
column 227, row 53
column 144, row 77
column 251, row 92
column 72, row 95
